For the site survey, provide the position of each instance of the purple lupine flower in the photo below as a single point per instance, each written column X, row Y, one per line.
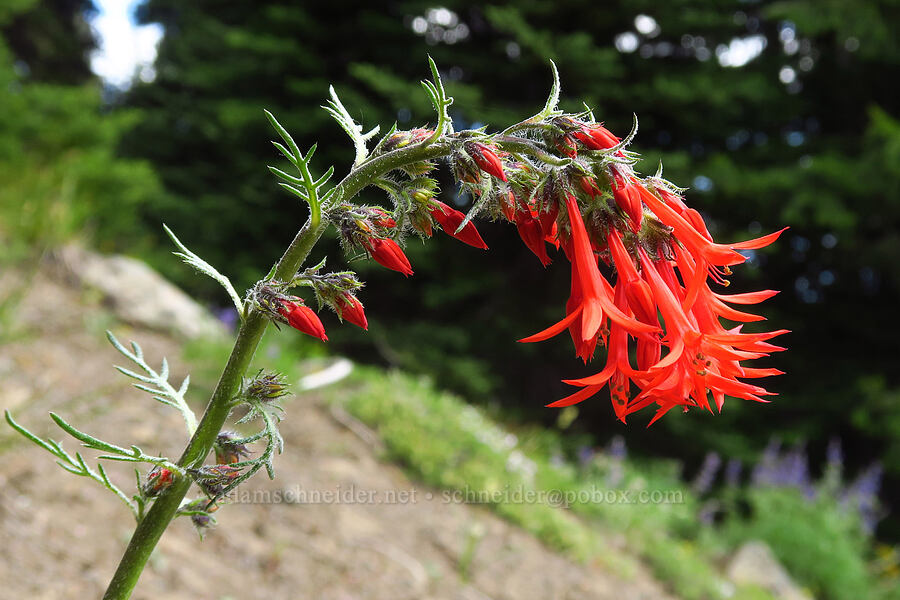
column 833, row 454
column 793, row 469
column 862, row 496
column 868, row 483
column 707, row 475
column 617, row 448
column 707, row 512
column 733, row 472
column 228, row 316
column 585, row 455
column 617, row 453
column 764, row 471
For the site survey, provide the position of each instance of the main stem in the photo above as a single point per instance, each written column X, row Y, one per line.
column 154, row 523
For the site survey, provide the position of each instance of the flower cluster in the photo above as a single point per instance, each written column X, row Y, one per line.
column 641, row 260
column 660, row 305
column 293, row 311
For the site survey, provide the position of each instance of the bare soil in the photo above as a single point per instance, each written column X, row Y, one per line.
column 61, row 536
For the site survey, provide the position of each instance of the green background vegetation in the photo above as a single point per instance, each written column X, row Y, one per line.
column 820, row 153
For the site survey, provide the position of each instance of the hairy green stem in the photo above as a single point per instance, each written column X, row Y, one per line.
column 165, row 507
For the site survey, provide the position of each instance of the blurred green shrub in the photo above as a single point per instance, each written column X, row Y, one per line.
column 59, row 174
column 820, row 544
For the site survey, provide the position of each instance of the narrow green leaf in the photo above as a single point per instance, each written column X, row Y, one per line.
column 206, row 268
column 287, row 154
column 294, row 190
column 284, row 135
column 27, row 434
column 88, row 440
column 71, row 469
column 134, row 375
column 286, row 176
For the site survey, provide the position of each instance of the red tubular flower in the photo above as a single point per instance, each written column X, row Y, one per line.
column 617, row 372
column 703, row 359
column 450, row 219
column 388, row 254
column 349, row 308
column 584, row 349
column 508, row 207
column 547, row 218
column 595, row 292
column 636, row 289
column 597, row 137
column 303, row 318
column 487, row 160
column 589, row 186
column 698, row 243
column 381, row 218
column 566, row 145
column 628, row 198
column 532, row 234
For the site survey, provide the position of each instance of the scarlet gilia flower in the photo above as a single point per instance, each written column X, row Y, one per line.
column 302, row 318
column 486, row 159
column 628, row 198
column 450, row 220
column 661, row 300
column 388, row 253
column 349, row 308
column 596, row 137
column 529, row 227
column 642, row 263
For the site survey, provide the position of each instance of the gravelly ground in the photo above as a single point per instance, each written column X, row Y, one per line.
column 62, row 536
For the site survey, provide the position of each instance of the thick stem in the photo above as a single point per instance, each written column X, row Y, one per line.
column 154, row 523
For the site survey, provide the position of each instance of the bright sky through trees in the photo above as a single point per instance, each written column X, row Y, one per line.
column 124, row 48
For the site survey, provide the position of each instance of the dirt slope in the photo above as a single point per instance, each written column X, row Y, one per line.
column 62, row 536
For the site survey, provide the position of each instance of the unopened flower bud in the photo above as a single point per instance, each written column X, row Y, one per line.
column 421, row 222
column 422, row 195
column 532, row 234
column 486, row 159
column 266, row 387
column 566, row 146
column 628, row 198
column 401, row 139
column 388, row 253
column 227, row 451
column 381, row 218
column 349, row 308
column 201, row 515
column 159, row 479
column 547, row 216
column 596, row 137
column 303, row 318
column 450, row 220
column 213, row 479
